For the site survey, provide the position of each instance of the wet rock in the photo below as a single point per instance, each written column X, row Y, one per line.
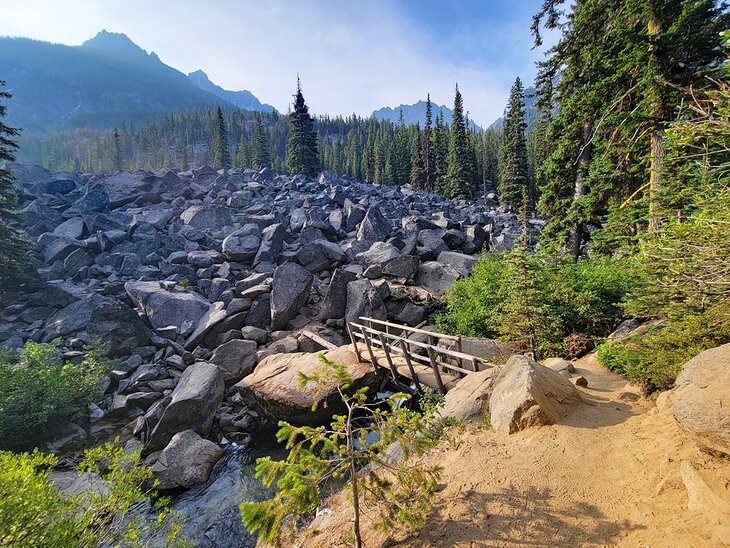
column 187, row 460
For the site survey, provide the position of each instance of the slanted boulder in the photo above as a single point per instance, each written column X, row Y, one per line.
column 289, row 292
column 320, row 255
column 242, row 244
column 118, row 325
column 459, row 261
column 335, row 300
column 436, row 278
column 469, row 399
column 274, row 385
column 529, row 394
column 374, row 226
column 167, row 307
column 404, row 267
column 235, row 359
column 207, row 216
column 364, row 300
column 702, row 399
column 187, row 460
column 192, row 406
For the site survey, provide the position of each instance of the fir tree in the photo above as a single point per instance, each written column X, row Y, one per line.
column 260, row 157
column 428, row 151
column 401, row 160
column 221, row 153
column 513, row 165
column 118, row 165
column 418, row 170
column 14, row 246
column 301, row 149
column 458, row 183
column 440, row 153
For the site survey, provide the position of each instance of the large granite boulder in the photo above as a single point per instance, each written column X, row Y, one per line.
column 272, row 242
column 335, row 300
column 436, row 278
column 528, row 394
column 459, row 261
column 235, row 359
column 320, row 255
column 74, row 317
column 119, row 326
column 207, row 216
column 242, row 244
column 469, row 399
column 702, row 400
column 165, row 307
column 187, row 460
column 374, row 227
column 363, row 300
column 289, row 292
column 192, row 407
column 274, row 385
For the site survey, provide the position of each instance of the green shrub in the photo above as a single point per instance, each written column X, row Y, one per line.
column 38, row 388
column 655, row 358
column 535, row 301
column 34, row 514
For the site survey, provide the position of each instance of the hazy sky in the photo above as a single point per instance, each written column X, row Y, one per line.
column 352, row 56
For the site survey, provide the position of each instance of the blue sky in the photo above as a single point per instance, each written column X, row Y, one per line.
column 352, row 56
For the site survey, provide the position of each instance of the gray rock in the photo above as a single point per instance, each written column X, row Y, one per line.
column 529, row 394
column 379, row 254
column 187, row 460
column 207, row 216
column 469, row 399
column 192, row 406
column 164, row 308
column 272, row 243
column 215, row 314
column 320, row 255
column 404, row 267
column 289, row 292
column 242, row 244
column 701, row 400
column 405, row 312
column 71, row 228
column 374, row 226
column 119, row 326
column 363, row 300
column 235, row 359
column 335, row 300
column 436, row 278
column 460, row 261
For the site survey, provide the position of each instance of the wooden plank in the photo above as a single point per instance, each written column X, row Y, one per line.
column 319, row 340
column 370, row 351
column 354, row 342
column 436, row 371
column 411, row 329
column 387, row 357
column 409, row 363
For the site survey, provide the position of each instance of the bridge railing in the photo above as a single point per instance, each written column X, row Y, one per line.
column 394, row 340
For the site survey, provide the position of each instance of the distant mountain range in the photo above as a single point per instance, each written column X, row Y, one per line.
column 416, row 113
column 104, row 82
column 531, row 113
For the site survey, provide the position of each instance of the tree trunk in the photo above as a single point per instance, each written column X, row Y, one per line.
column 655, row 115
column 353, row 482
column 576, row 236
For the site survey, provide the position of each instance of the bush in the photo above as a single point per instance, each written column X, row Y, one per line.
column 655, row 358
column 38, row 388
column 537, row 301
column 34, row 514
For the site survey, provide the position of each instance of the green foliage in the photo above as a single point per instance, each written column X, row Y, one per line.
column 38, row 388
column 221, row 153
column 34, row 514
column 536, row 301
column 14, row 245
column 459, row 177
column 513, row 167
column 398, row 492
column 302, row 153
column 655, row 358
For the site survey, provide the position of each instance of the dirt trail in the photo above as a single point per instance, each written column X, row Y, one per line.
column 608, row 474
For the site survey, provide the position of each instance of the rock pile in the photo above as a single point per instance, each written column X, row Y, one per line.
column 225, row 268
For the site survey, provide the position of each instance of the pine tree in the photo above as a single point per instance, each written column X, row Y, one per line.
column 440, row 153
column 513, row 165
column 428, row 152
column 401, row 156
column 458, row 183
column 302, row 153
column 260, row 157
column 221, row 153
column 242, row 159
column 418, row 170
column 14, row 246
column 118, row 165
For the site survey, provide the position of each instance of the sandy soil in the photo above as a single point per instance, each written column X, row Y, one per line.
column 608, row 474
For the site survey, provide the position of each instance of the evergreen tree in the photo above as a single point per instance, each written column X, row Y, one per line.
column 418, row 170
column 440, row 153
column 401, row 160
column 513, row 165
column 458, row 183
column 260, row 157
column 118, row 165
column 14, row 246
column 221, row 153
column 428, row 151
column 301, row 149
column 242, row 159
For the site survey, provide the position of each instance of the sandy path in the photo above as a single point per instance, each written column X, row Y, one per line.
column 608, row 474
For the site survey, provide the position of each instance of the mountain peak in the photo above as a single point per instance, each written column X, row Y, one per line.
column 114, row 43
column 199, row 78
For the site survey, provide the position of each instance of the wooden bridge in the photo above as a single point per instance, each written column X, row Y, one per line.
column 425, row 358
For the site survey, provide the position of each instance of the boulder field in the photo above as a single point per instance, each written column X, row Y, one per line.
column 204, row 284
